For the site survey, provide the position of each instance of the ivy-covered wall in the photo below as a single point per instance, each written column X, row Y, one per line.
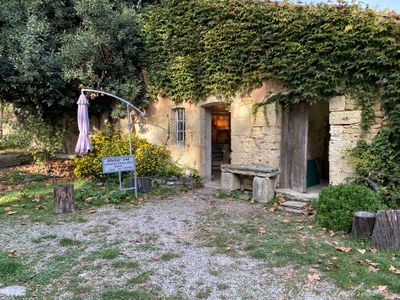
column 198, row 48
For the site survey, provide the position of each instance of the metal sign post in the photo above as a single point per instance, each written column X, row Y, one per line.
column 130, row 126
column 119, row 164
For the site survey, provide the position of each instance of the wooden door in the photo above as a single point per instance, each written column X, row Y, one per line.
column 294, row 147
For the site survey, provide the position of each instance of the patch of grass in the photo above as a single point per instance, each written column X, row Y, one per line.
column 141, row 278
column 204, row 293
column 223, row 286
column 146, row 247
column 123, row 294
column 289, row 240
column 58, row 266
column 169, row 256
column 107, row 253
column 44, row 238
column 13, row 269
column 121, row 263
column 64, row 242
column 222, row 195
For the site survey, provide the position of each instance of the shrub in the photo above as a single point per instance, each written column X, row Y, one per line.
column 337, row 205
column 35, row 136
column 379, row 161
column 150, row 159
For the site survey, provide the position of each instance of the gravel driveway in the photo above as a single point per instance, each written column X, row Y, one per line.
column 160, row 254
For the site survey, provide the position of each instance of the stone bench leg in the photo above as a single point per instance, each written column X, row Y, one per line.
column 263, row 189
column 230, row 182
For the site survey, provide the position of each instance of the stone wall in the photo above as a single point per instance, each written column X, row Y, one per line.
column 254, row 139
column 345, row 131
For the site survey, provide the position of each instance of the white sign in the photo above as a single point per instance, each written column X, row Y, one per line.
column 118, row 164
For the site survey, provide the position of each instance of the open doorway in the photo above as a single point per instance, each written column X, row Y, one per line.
column 305, row 148
column 218, row 140
column 318, row 146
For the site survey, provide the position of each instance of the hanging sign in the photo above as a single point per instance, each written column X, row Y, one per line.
column 117, row 164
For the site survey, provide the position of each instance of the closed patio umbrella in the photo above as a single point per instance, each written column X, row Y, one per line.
column 83, row 144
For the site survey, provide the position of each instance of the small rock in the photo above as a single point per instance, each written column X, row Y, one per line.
column 13, row 291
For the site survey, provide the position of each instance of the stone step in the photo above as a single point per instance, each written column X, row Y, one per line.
column 294, row 206
column 297, row 196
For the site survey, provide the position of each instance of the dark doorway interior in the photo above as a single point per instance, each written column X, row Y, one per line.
column 220, row 139
column 318, row 144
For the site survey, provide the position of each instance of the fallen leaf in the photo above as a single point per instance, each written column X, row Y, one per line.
column 281, row 199
column 372, row 250
column 362, row 251
column 344, row 249
column 314, row 277
column 300, row 227
column 11, row 212
column 394, row 270
column 359, row 261
column 40, row 207
column 12, row 253
column 372, row 269
column 92, row 211
column 262, row 230
column 382, row 288
column 371, row 263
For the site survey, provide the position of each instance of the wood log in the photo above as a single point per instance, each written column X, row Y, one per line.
column 387, row 230
column 64, row 200
column 363, row 224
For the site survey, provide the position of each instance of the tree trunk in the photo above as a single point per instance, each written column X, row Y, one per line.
column 387, row 230
column 363, row 224
column 64, row 200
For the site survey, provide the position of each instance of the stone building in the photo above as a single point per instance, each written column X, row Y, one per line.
column 307, row 144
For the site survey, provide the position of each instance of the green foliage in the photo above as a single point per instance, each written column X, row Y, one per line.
column 379, row 162
column 337, row 205
column 50, row 49
column 150, row 159
column 198, row 48
column 35, row 136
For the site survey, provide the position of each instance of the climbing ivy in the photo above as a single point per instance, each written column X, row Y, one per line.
column 197, row 48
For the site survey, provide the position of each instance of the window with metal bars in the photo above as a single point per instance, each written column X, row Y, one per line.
column 180, row 126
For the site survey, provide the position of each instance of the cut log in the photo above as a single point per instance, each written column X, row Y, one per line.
column 363, row 224
column 386, row 233
column 64, row 200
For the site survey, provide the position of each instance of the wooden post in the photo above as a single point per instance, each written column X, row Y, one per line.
column 387, row 230
column 64, row 200
column 363, row 224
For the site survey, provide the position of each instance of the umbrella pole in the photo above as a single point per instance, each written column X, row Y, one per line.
column 130, row 147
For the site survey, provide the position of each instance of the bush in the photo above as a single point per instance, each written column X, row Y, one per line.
column 337, row 205
column 379, row 161
column 35, row 136
column 150, row 159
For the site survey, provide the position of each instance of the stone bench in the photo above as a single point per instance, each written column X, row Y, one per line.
column 264, row 179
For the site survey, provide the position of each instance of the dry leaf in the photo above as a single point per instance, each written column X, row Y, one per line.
column 394, row 270
column 362, row 251
column 373, row 250
column 262, row 230
column 300, row 227
column 92, row 211
column 371, row 263
column 40, row 207
column 281, row 200
column 11, row 212
column 12, row 253
column 372, row 269
column 382, row 288
column 314, row 277
column 344, row 249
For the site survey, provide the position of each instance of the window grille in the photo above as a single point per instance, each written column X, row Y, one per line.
column 180, row 126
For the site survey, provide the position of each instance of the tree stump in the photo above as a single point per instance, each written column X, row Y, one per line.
column 387, row 230
column 363, row 224
column 64, row 200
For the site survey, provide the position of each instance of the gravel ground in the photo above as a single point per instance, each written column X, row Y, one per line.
column 146, row 233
